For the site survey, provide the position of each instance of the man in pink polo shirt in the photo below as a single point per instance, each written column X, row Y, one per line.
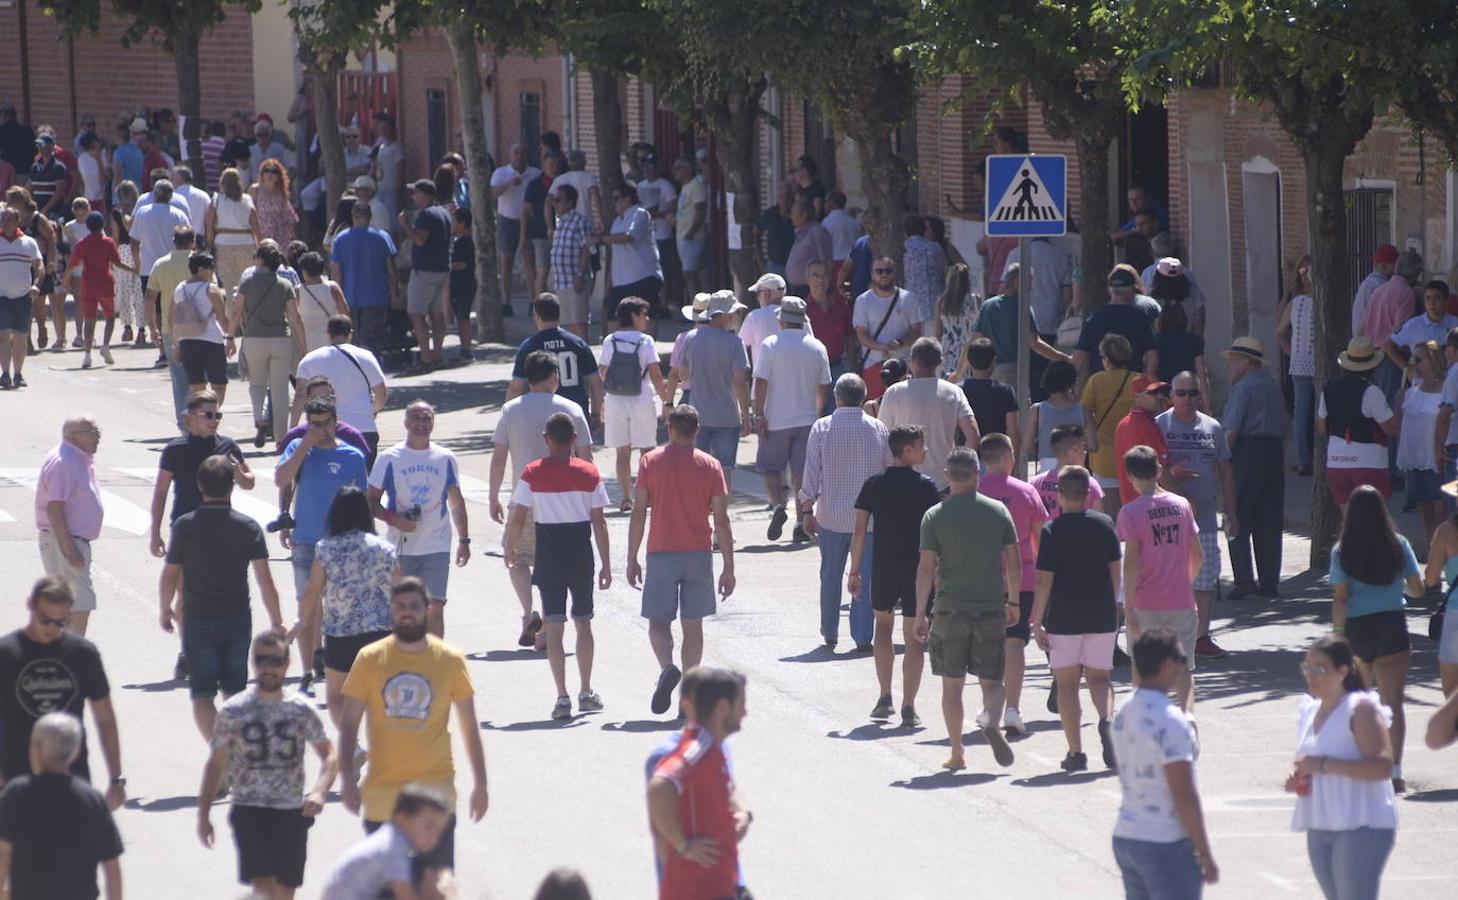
column 1161, row 558
column 68, row 513
column 684, row 487
column 1390, row 306
column 1028, row 515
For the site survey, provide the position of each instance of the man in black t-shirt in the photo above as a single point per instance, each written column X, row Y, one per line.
column 54, row 827
column 577, row 373
column 44, row 669
column 994, row 404
column 1125, row 315
column 430, row 268
column 1074, row 614
column 897, row 499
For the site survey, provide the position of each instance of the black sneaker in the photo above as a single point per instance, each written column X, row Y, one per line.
column 883, row 709
column 778, row 518
column 1074, row 762
column 1106, row 737
column 179, row 668
column 306, row 683
column 798, row 535
column 1120, row 657
column 319, row 664
column 19, row 380
column 1001, row 750
column 663, row 693
column 909, row 718
column 4, row 381
column 1053, row 698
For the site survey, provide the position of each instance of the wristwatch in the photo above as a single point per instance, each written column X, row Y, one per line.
column 119, row 781
column 464, row 540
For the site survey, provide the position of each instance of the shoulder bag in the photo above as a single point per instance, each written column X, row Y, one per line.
column 872, row 374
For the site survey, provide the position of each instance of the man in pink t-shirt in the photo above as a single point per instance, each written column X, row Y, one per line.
column 1028, row 515
column 684, row 487
column 68, row 513
column 1070, row 448
column 1161, row 558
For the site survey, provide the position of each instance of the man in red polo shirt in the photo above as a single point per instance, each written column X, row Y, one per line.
column 830, row 322
column 1151, row 397
column 690, row 797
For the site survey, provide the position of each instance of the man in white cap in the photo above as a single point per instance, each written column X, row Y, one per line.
column 762, row 322
column 1255, row 426
column 715, row 361
column 791, row 380
column 366, row 192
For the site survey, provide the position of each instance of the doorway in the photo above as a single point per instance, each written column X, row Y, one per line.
column 1146, row 155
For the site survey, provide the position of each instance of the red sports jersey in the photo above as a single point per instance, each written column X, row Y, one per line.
column 697, row 768
column 97, row 254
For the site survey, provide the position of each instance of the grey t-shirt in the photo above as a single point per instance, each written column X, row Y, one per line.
column 711, row 356
column 525, row 418
column 369, row 868
column 1200, row 446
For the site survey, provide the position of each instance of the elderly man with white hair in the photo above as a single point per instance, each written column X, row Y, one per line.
column 43, row 816
column 844, row 449
column 68, row 513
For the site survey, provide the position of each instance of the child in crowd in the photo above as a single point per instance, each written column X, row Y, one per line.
column 463, row 277
column 93, row 257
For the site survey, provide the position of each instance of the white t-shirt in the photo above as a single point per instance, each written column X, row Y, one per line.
column 509, row 204
column 1344, row 454
column 871, row 308
column 522, row 422
column 352, row 383
column 1450, row 400
column 92, row 179
column 423, row 479
column 153, row 225
column 659, row 198
column 647, row 356
column 389, row 159
column 15, row 265
column 637, row 259
column 1150, row 732
column 197, row 201
column 795, row 364
column 694, row 193
column 759, row 324
column 844, row 230
column 937, row 406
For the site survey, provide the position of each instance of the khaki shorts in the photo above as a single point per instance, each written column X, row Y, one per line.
column 1185, row 623
column 79, row 580
column 968, row 643
column 526, row 548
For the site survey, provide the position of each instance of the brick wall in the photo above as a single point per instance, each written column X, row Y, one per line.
column 111, row 80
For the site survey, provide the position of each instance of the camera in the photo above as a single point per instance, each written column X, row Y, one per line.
column 413, row 513
column 283, row 521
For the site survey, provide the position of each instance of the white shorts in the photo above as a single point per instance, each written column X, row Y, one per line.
column 630, row 422
column 1185, row 623
column 1096, row 651
column 79, row 580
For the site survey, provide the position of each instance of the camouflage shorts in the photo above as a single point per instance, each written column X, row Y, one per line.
column 968, row 643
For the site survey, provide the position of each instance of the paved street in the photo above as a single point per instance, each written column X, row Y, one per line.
column 843, row 808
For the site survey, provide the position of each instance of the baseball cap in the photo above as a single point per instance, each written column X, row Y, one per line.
column 45, row 140
column 364, row 181
column 769, row 281
column 95, row 219
column 1144, row 384
column 1169, row 266
column 139, row 125
column 1121, row 278
column 791, row 311
column 263, row 126
column 1385, row 254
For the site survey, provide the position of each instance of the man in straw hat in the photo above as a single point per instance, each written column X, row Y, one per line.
column 1354, row 413
column 1255, row 424
column 715, row 361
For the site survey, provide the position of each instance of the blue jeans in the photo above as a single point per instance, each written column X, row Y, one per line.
column 1304, row 387
column 1155, row 871
column 179, row 383
column 1348, row 864
column 837, row 369
column 217, row 653
column 835, row 547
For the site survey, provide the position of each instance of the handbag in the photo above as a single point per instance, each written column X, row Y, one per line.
column 1435, row 621
column 872, row 375
column 1069, row 331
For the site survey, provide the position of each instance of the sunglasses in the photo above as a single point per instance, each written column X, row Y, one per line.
column 1187, row 392
column 57, row 623
column 1317, row 670
column 270, row 660
column 884, row 271
column 208, row 414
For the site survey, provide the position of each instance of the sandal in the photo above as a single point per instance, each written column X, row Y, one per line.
column 953, row 764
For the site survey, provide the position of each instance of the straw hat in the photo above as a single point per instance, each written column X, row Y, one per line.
column 1359, row 356
column 1248, row 347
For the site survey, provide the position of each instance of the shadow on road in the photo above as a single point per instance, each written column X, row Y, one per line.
column 543, row 725
column 821, row 653
column 1444, row 795
column 156, row 687
column 945, row 780
column 507, row 655
column 163, row 804
column 873, row 731
column 643, row 726
column 1052, row 779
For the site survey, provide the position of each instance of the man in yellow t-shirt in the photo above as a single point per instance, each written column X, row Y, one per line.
column 159, row 284
column 404, row 686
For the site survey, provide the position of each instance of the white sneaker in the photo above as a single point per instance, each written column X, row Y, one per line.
column 982, row 719
column 106, row 354
column 1012, row 722
column 86, row 361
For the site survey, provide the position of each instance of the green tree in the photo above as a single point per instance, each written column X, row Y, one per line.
column 1071, row 56
column 1310, row 63
column 177, row 28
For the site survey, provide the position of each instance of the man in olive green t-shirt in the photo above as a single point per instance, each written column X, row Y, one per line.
column 969, row 549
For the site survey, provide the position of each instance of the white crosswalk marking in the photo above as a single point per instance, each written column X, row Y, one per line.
column 120, row 513
column 5, row 517
column 247, row 503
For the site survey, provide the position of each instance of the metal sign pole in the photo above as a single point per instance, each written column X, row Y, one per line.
column 1025, row 337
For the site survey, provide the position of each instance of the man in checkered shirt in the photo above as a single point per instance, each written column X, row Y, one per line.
column 571, row 278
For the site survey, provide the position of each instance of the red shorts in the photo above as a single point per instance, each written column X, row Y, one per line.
column 1342, row 482
column 93, row 297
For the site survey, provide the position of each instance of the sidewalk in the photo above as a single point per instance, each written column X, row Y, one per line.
column 1298, row 512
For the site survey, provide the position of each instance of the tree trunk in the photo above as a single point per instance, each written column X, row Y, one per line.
column 189, row 100
column 734, row 117
column 1096, row 253
column 323, row 78
column 1331, row 295
column 607, row 124
column 884, row 178
column 461, row 33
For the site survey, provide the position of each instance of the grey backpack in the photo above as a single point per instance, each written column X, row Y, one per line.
column 624, row 372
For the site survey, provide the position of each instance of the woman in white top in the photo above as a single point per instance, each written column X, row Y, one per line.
column 955, row 320
column 93, row 178
column 1415, row 440
column 199, row 323
column 319, row 298
column 233, row 230
column 1343, row 775
column 1296, row 331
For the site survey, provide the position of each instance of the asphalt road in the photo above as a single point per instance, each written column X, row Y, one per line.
column 843, row 807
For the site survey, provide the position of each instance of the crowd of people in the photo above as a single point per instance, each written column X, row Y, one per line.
column 882, row 392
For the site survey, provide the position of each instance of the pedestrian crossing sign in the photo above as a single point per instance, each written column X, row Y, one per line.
column 1026, row 195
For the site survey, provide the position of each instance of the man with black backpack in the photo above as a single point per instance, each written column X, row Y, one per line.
column 633, row 380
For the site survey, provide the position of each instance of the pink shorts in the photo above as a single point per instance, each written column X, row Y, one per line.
column 1343, row 481
column 1096, row 651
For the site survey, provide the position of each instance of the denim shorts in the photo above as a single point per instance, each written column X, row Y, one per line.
column 1155, row 871
column 432, row 568
column 216, row 648
column 302, row 556
column 691, row 253
column 679, row 583
column 508, row 234
column 720, row 443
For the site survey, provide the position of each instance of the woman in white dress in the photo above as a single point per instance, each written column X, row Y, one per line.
column 128, row 285
column 319, row 298
column 233, row 230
